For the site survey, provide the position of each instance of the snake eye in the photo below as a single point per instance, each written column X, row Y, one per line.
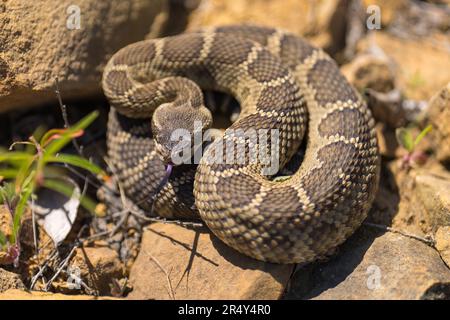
column 174, row 149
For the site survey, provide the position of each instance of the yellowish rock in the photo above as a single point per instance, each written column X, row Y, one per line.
column 98, row 267
column 180, row 263
column 438, row 115
column 388, row 8
column 15, row 294
column 71, row 40
column 10, row 280
column 419, row 63
column 433, row 193
column 368, row 71
column 442, row 239
column 387, row 142
column 5, row 221
column 307, row 18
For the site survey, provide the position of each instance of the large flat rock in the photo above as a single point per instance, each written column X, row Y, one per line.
column 323, row 22
column 15, row 294
column 439, row 116
column 433, row 192
column 42, row 40
column 181, row 263
column 373, row 265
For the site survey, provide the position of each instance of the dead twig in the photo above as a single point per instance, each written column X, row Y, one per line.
column 62, row 265
column 65, row 117
column 178, row 222
column 169, row 283
column 427, row 241
column 33, row 221
column 42, row 269
column 82, row 283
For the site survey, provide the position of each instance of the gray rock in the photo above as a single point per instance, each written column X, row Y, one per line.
column 374, row 265
column 442, row 239
column 433, row 193
column 10, row 280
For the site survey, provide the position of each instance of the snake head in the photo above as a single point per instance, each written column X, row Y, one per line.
column 174, row 129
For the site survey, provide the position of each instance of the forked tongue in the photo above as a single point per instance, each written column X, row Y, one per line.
column 161, row 185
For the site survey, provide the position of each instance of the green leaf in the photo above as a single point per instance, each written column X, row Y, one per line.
column 422, row 134
column 20, row 209
column 56, row 145
column 27, row 182
column 8, row 173
column 405, row 139
column 25, row 173
column 67, row 190
column 14, row 156
column 2, row 239
column 55, row 134
column 75, row 161
column 7, row 193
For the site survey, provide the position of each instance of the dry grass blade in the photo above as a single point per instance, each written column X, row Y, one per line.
column 169, row 283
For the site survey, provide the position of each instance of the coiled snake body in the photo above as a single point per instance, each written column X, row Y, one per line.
column 281, row 83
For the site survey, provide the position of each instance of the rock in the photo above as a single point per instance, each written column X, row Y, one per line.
column 370, row 71
column 387, row 141
column 386, row 204
column 10, row 280
column 416, row 17
column 5, row 221
column 421, row 19
column 433, row 194
column 442, row 238
column 387, row 107
column 41, row 40
column 322, row 21
column 389, row 9
column 441, row 2
column 14, row 294
column 199, row 266
column 446, row 2
column 98, row 267
column 406, row 200
column 26, row 226
column 373, row 265
column 438, row 115
column 373, row 74
column 418, row 62
column 415, row 209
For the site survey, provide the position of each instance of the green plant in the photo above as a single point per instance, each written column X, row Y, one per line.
column 416, row 80
column 405, row 138
column 23, row 172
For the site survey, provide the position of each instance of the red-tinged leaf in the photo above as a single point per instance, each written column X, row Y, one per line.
column 419, row 158
column 56, row 145
column 10, row 256
column 58, row 134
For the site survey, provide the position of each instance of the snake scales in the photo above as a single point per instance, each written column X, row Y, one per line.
column 281, row 82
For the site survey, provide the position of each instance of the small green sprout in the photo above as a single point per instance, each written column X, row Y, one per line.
column 409, row 143
column 416, row 80
column 23, row 172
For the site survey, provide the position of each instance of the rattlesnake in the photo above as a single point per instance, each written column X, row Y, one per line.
column 282, row 83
